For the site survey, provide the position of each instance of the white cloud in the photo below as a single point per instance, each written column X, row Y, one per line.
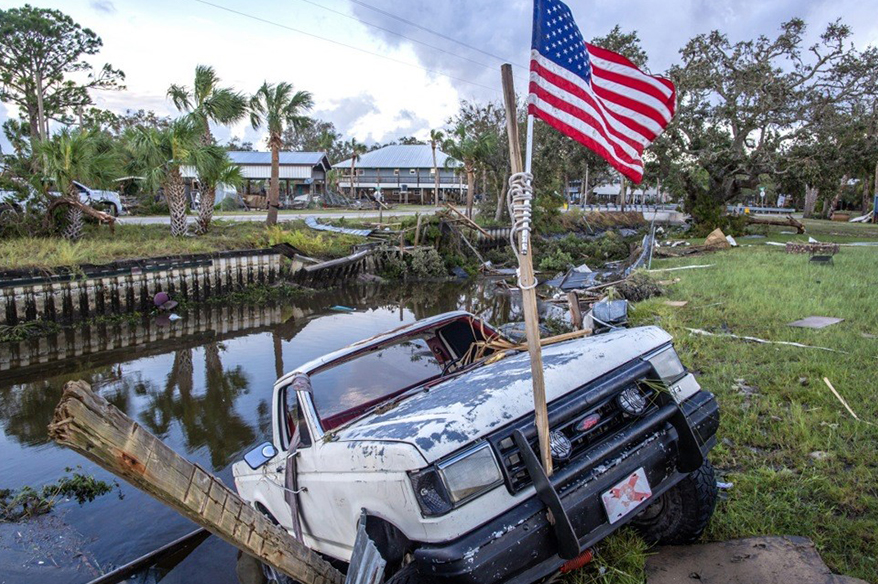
column 160, row 42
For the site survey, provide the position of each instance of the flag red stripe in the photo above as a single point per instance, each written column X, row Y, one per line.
column 577, row 91
column 636, row 85
column 586, row 118
column 586, row 141
column 633, row 105
column 585, row 96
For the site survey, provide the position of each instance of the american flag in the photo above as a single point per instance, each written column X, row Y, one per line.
column 597, row 97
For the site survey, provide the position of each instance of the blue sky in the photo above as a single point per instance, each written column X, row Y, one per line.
column 410, row 87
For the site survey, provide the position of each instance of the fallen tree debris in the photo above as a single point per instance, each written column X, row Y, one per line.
column 100, row 216
column 845, row 404
column 788, row 221
column 758, row 340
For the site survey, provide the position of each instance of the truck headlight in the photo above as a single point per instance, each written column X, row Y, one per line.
column 452, row 482
column 668, row 366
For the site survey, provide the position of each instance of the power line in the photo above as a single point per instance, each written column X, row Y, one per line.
column 387, row 30
column 312, row 35
column 431, row 31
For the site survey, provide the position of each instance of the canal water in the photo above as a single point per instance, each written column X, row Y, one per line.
column 203, row 385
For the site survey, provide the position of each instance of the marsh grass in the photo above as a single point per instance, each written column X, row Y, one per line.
column 99, row 246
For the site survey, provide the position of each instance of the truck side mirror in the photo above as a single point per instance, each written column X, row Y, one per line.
column 260, row 455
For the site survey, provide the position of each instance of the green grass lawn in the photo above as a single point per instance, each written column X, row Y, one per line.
column 800, row 464
column 99, row 246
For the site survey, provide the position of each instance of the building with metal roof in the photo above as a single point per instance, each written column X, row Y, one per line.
column 300, row 173
column 402, row 173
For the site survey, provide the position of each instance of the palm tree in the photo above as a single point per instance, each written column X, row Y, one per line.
column 85, row 156
column 436, row 138
column 159, row 154
column 226, row 173
column 471, row 150
column 206, row 102
column 278, row 106
column 356, row 149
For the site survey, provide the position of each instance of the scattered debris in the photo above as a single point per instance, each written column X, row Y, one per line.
column 314, row 224
column 163, row 302
column 724, row 486
column 574, row 280
column 610, row 313
column 638, row 287
column 676, row 303
column 695, row 267
column 717, row 240
column 514, row 331
column 812, row 248
column 342, row 309
column 731, row 241
column 758, row 340
column 862, row 218
column 844, row 403
column 819, row 455
column 816, row 322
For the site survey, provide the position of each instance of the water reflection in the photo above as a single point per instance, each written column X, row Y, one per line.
column 26, row 410
column 203, row 385
column 208, row 418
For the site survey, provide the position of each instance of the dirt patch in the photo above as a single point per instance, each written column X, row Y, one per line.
column 743, row 561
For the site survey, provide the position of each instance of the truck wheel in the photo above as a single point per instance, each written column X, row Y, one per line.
column 681, row 514
column 408, row 575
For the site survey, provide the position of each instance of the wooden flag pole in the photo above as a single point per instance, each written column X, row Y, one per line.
column 526, row 280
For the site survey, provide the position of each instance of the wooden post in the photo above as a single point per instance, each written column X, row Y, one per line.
column 526, row 277
column 86, row 423
column 575, row 312
column 418, row 230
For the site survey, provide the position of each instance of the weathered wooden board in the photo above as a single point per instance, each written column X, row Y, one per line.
column 87, row 423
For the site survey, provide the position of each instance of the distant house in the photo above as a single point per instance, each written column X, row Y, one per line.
column 300, row 173
column 402, row 173
column 609, row 193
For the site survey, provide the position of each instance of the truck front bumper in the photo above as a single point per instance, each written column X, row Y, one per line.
column 521, row 545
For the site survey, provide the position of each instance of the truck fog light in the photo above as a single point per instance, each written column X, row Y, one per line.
column 632, row 401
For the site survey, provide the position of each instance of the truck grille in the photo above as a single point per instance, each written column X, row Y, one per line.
column 605, row 418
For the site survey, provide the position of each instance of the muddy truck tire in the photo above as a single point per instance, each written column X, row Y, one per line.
column 408, row 575
column 681, row 514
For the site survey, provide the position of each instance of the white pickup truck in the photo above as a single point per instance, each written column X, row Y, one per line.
column 108, row 201
column 430, row 432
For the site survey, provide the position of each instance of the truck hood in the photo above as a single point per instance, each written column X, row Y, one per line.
column 450, row 415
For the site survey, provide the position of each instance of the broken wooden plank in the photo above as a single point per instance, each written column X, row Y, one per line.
column 86, row 423
column 469, row 222
column 575, row 311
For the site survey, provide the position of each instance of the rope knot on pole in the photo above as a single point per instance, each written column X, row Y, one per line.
column 520, row 195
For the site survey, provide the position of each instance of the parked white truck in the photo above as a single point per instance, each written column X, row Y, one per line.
column 429, row 430
column 108, row 201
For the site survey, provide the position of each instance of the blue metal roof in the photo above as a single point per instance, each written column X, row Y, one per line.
column 291, row 158
column 400, row 156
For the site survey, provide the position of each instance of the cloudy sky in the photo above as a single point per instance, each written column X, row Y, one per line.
column 381, row 69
